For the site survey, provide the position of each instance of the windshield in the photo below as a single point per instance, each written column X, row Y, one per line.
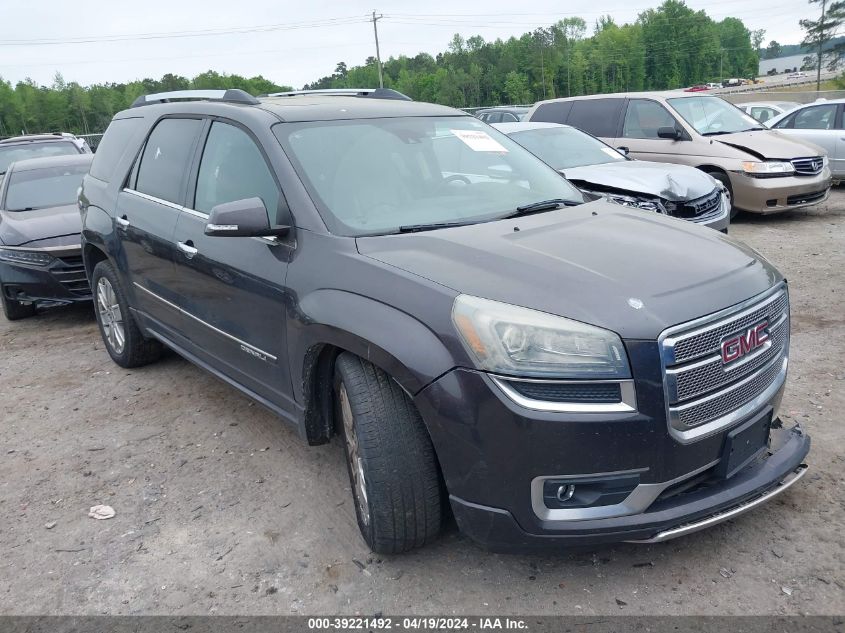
column 566, row 147
column 371, row 176
column 42, row 188
column 11, row 153
column 712, row 115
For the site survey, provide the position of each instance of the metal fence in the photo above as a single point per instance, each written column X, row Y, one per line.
column 805, row 96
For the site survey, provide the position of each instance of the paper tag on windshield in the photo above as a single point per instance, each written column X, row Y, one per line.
column 479, row 141
column 611, row 152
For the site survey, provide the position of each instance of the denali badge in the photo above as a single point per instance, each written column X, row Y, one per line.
column 738, row 345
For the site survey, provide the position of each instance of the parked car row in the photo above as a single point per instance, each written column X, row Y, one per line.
column 556, row 362
column 763, row 171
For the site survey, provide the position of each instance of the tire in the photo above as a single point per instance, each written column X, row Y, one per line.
column 723, row 178
column 15, row 310
column 391, row 462
column 121, row 334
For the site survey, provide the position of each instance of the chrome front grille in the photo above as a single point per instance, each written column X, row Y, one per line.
column 808, row 166
column 704, row 394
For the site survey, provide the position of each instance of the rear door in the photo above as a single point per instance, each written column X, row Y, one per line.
column 147, row 210
column 642, row 119
column 232, row 289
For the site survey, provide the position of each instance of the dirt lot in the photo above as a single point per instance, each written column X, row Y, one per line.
column 221, row 509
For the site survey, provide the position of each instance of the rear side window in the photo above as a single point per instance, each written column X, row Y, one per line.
column 821, row 117
column 233, row 168
column 554, row 112
column 111, row 147
column 599, row 117
column 644, row 118
column 164, row 162
column 762, row 113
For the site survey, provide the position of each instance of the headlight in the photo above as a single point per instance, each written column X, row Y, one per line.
column 637, row 203
column 34, row 258
column 508, row 339
column 768, row 168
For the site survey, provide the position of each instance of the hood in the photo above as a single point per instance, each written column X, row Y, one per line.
column 677, row 183
column 33, row 228
column 769, row 144
column 633, row 272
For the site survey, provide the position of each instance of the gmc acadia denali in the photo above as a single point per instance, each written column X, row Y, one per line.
column 482, row 337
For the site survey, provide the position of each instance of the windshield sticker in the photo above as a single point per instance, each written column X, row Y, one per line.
column 479, row 141
column 611, row 152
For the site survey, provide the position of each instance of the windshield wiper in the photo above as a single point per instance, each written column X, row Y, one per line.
column 24, row 209
column 717, row 133
column 544, row 205
column 416, row 228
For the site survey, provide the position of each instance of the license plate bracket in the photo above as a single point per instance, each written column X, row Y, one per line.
column 744, row 444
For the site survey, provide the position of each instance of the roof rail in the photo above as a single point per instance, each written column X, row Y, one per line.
column 371, row 93
column 232, row 95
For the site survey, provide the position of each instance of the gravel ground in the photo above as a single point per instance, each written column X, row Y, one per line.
column 221, row 508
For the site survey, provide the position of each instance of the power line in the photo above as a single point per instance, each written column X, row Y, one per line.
column 184, row 34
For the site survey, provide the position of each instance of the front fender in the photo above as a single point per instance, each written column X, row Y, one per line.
column 395, row 341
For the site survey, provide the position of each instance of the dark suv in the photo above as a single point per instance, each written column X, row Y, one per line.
column 558, row 372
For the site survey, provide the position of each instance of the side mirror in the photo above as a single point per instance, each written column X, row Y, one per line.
column 623, row 150
column 242, row 218
column 669, row 132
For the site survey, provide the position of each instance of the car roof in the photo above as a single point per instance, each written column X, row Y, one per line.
column 662, row 94
column 315, row 107
column 504, row 108
column 524, row 126
column 300, row 107
column 36, row 138
column 45, row 162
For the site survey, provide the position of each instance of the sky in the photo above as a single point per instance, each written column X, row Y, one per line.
column 292, row 43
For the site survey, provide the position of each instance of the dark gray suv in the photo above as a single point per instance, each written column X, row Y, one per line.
column 556, row 372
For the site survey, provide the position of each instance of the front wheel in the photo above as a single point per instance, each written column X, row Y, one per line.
column 15, row 310
column 390, row 458
column 121, row 334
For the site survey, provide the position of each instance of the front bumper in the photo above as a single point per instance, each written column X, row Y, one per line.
column 492, row 451
column 774, row 195
column 62, row 282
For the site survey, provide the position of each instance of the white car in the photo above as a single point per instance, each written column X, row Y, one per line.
column 798, row 75
column 765, row 110
column 819, row 123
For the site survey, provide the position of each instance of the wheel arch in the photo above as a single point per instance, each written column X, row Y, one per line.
column 338, row 321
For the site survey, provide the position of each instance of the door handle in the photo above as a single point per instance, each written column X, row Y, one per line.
column 187, row 248
column 122, row 222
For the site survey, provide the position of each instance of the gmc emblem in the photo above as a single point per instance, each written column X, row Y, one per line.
column 738, row 345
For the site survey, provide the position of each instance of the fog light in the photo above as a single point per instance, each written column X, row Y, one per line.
column 565, row 493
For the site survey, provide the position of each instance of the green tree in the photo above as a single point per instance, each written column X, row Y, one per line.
column 516, row 88
column 819, row 33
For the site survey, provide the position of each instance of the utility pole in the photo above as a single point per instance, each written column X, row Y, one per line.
column 819, row 54
column 376, row 18
column 721, row 59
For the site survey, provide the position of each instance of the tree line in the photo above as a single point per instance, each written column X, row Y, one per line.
column 670, row 46
column 70, row 107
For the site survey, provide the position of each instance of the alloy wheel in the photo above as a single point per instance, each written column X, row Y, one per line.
column 111, row 317
column 356, row 464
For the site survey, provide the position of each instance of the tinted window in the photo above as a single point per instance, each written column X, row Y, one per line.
column 643, row 118
column 112, row 146
column 165, row 158
column 554, row 112
column 43, row 188
column 821, row 117
column 11, row 153
column 507, row 117
column 596, row 116
column 233, row 168
column 494, row 117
